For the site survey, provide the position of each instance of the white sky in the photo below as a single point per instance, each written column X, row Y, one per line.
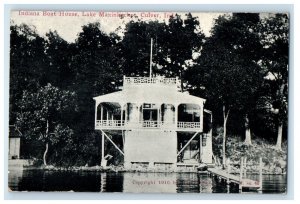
column 69, row 26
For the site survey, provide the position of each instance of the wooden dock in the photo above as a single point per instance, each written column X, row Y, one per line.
column 231, row 178
column 224, row 175
column 241, row 180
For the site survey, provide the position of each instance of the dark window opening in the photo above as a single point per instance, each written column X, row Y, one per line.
column 150, row 114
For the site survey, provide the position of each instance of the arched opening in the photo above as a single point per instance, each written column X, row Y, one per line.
column 189, row 113
column 110, row 114
column 150, row 114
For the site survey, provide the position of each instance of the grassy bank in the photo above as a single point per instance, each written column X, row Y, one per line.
column 274, row 161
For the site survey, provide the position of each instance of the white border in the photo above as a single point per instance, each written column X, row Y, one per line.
column 211, row 5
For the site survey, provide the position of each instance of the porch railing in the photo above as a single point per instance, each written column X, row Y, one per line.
column 118, row 124
column 110, row 123
column 151, row 80
column 190, row 125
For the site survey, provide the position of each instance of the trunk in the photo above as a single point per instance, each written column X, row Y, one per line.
column 248, row 132
column 46, row 150
column 225, row 116
column 45, row 154
column 280, row 124
column 181, row 82
column 279, row 136
column 224, row 144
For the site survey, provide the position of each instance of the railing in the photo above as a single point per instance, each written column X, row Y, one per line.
column 151, row 124
column 147, row 124
column 151, row 80
column 188, row 125
column 109, row 123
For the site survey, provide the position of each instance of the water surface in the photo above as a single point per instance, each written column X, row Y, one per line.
column 83, row 181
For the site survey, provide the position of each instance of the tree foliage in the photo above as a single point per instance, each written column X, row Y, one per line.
column 241, row 69
column 27, row 65
column 227, row 71
column 42, row 115
column 274, row 33
column 174, row 45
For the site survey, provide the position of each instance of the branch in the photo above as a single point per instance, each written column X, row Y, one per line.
column 274, row 75
column 227, row 115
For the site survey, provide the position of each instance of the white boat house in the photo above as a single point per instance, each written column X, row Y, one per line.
column 151, row 123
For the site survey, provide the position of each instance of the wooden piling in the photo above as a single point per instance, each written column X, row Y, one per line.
column 241, row 174
column 260, row 174
column 245, row 167
column 228, row 171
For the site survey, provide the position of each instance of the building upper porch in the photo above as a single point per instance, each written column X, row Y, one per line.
column 149, row 103
column 149, row 116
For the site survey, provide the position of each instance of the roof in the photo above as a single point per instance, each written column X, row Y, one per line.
column 149, row 94
column 14, row 132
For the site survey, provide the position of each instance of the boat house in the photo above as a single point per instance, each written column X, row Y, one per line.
column 153, row 124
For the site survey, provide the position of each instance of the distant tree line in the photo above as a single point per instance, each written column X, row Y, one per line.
column 241, row 69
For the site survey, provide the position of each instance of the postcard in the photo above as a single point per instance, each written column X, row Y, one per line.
column 148, row 102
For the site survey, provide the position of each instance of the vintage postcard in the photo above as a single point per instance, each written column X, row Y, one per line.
column 148, row 102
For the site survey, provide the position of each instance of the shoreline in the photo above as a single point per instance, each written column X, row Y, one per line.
column 121, row 169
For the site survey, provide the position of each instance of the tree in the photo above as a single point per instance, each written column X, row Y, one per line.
column 97, row 71
column 174, row 45
column 136, row 46
column 59, row 55
column 27, row 64
column 184, row 38
column 42, row 115
column 227, row 72
column 274, row 32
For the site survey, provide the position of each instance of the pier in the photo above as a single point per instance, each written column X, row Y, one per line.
column 241, row 179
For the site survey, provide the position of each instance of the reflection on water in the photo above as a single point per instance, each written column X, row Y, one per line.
column 149, row 182
column 39, row 180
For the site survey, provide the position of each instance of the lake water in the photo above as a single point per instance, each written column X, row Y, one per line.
column 39, row 180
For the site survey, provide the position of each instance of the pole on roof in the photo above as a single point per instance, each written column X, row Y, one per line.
column 151, row 58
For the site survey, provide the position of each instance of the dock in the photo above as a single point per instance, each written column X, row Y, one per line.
column 224, row 175
column 231, row 178
column 238, row 179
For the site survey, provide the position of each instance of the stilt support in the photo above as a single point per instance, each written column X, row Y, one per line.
column 103, row 133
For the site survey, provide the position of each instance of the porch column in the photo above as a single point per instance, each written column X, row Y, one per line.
column 159, row 116
column 136, row 112
column 121, row 104
column 101, row 112
column 122, row 124
column 107, row 115
column 176, row 115
column 126, row 112
column 201, row 117
column 96, row 108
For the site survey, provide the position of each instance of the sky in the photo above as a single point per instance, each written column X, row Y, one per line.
column 69, row 26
